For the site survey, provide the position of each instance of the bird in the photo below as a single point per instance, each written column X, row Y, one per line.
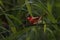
column 34, row 20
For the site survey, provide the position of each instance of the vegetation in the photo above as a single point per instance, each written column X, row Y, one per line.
column 15, row 26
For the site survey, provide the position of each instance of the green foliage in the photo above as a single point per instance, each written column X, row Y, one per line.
column 15, row 12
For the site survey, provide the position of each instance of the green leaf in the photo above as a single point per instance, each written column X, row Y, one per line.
column 14, row 18
column 51, row 32
column 12, row 26
column 50, row 9
column 28, row 7
column 45, row 26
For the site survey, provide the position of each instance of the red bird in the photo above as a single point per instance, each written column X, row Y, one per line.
column 33, row 20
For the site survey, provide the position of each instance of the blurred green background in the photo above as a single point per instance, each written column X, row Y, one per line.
column 15, row 26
